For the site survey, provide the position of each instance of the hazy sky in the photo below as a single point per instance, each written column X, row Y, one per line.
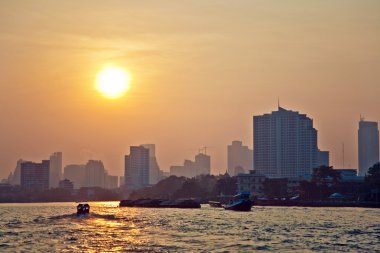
column 200, row 69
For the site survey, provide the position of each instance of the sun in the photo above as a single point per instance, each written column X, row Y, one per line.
column 113, row 82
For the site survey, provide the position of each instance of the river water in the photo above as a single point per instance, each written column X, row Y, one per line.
column 54, row 227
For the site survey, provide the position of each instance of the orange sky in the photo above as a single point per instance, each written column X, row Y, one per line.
column 200, row 69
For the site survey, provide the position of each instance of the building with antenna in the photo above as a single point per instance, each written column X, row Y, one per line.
column 200, row 166
column 368, row 142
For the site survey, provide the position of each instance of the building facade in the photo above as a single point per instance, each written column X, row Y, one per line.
column 323, row 158
column 55, row 169
column 35, row 175
column 239, row 158
column 285, row 144
column 136, row 173
column 368, row 140
column 155, row 174
column 252, row 182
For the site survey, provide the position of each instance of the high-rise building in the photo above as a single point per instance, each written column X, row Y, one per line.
column 136, row 174
column 76, row 174
column 95, row 174
column 285, row 144
column 202, row 164
column 239, row 158
column 368, row 139
column 323, row 158
column 55, row 169
column 112, row 182
column 35, row 175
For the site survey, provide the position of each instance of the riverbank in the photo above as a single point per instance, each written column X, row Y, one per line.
column 317, row 203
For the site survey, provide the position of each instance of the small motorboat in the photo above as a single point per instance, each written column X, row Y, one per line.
column 215, row 204
column 83, row 209
column 241, row 202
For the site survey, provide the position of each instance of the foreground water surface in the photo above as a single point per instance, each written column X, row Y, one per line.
column 54, row 227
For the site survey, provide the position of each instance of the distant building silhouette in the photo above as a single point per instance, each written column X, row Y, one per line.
column 285, row 144
column 112, row 182
column 15, row 177
column 55, row 169
column 201, row 166
column 323, row 158
column 66, row 184
column 76, row 174
column 155, row 174
column 35, row 175
column 95, row 174
column 368, row 140
column 239, row 158
column 136, row 174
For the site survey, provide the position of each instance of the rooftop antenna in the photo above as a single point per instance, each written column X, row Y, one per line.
column 278, row 102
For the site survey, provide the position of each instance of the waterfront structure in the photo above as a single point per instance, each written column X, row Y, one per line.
column 200, row 166
column 136, row 174
column 368, row 140
column 76, row 174
column 323, row 158
column 95, row 174
column 55, row 169
column 35, row 175
column 252, row 182
column 66, row 184
column 285, row 144
column 239, row 158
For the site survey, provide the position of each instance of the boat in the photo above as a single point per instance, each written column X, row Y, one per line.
column 215, row 204
column 83, row 209
column 241, row 202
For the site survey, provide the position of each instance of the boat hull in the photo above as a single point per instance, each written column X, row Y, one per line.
column 241, row 206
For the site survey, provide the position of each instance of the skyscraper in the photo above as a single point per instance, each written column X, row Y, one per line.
column 35, row 175
column 136, row 174
column 55, row 169
column 285, row 144
column 239, row 158
column 368, row 139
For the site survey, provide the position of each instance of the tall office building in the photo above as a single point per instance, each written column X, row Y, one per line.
column 136, row 174
column 35, row 175
column 368, row 138
column 239, row 158
column 285, row 144
column 55, row 169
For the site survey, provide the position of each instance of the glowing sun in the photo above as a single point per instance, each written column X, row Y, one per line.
column 113, row 82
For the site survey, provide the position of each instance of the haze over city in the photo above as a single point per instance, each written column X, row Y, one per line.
column 199, row 72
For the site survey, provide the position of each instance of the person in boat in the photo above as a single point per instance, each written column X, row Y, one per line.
column 83, row 209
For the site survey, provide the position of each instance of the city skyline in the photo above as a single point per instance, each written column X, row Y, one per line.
column 196, row 80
